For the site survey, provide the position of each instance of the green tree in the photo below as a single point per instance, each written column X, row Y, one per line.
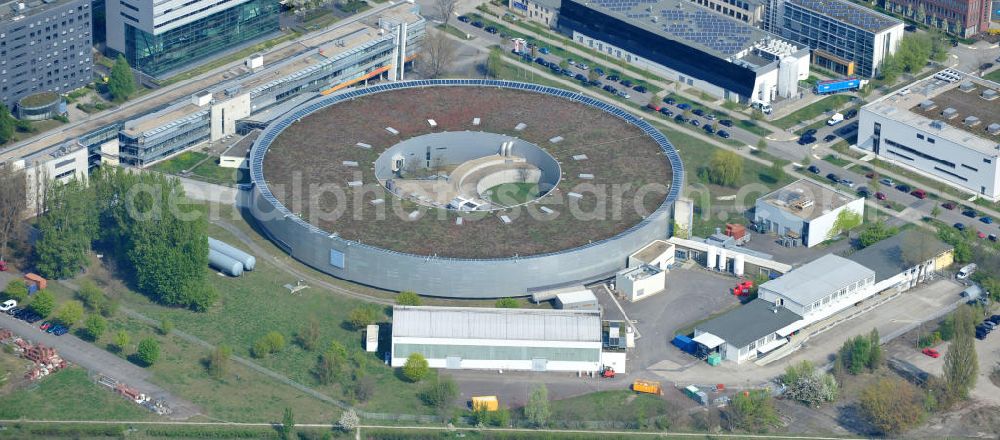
column 70, row 313
column 847, row 219
column 752, row 411
column 288, row 425
column 166, row 326
column 416, row 368
column 90, row 294
column 7, row 124
column 331, row 364
column 507, row 303
column 121, row 340
column 761, row 144
column 936, row 211
column 361, row 317
column 95, row 325
column 270, row 343
column 16, row 289
column 725, row 168
column 808, row 385
column 66, row 230
column 537, row 410
column 875, row 356
column 876, row 232
column 494, row 63
column 148, row 352
column 121, row 82
column 961, row 362
column 892, row 406
column 43, row 303
column 308, row 336
column 218, row 362
column 439, row 392
column 407, row 298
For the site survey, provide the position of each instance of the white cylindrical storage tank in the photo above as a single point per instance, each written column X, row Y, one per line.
column 788, row 74
column 224, row 263
column 710, row 258
column 248, row 261
column 722, row 260
column 738, row 261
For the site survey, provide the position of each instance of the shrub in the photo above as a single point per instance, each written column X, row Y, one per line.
column 361, row 317
column 439, row 392
column 148, row 351
column 507, row 303
column 408, row 299
column 16, row 290
column 70, row 313
column 891, row 406
column 95, row 326
column 272, row 342
column 416, row 367
column 43, row 303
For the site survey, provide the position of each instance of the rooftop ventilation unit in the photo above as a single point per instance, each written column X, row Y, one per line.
column 990, row 94
column 802, row 204
column 937, row 124
column 993, row 129
column 966, row 86
column 971, row 121
column 927, row 105
column 949, row 113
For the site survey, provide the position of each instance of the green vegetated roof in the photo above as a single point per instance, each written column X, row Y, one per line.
column 39, row 99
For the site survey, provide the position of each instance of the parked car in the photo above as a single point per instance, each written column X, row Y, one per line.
column 684, row 106
column 886, row 181
column 723, row 134
column 597, row 70
column 931, row 352
column 60, row 330
column 626, row 83
column 544, row 50
column 608, row 88
column 726, row 122
column 708, row 128
column 948, row 205
column 654, row 107
column 829, row 138
column 14, row 311
column 463, row 18
column 680, row 118
column 698, row 112
column 640, row 89
column 959, row 226
column 971, row 213
column 491, row 29
column 32, row 317
column 45, row 325
column 910, row 28
column 966, row 271
column 615, row 78
column 987, row 219
column 8, row 305
column 847, row 182
column 813, row 169
column 477, row 24
column 624, row 95
column 833, row 177
column 570, row 61
column 992, row 237
column 806, row 140
column 669, row 100
column 809, row 132
column 863, row 191
column 594, row 83
column 580, row 77
column 903, row 187
column 880, row 195
column 695, row 122
column 583, row 66
column 995, row 319
column 666, row 112
column 919, row 193
column 710, row 116
column 851, row 113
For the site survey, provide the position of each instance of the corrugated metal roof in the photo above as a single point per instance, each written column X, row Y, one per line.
column 886, row 257
column 750, row 322
column 507, row 324
column 818, row 279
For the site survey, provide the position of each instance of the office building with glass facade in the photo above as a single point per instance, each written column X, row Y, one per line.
column 44, row 47
column 845, row 38
column 160, row 38
column 498, row 339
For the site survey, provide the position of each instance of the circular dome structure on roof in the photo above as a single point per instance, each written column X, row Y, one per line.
column 463, row 188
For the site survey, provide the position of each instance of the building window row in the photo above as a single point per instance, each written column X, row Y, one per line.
column 920, row 153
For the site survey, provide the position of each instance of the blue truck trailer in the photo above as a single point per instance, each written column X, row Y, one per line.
column 837, row 85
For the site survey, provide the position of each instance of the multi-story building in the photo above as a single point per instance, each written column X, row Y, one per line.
column 690, row 44
column 540, row 11
column 44, row 47
column 804, row 212
column 342, row 57
column 748, row 11
column 845, row 38
column 946, row 127
column 964, row 18
column 159, row 37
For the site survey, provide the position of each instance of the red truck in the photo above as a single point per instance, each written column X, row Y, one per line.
column 3, row 266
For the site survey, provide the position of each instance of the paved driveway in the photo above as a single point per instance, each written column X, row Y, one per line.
column 92, row 358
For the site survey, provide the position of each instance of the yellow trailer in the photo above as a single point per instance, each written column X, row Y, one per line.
column 488, row 403
column 647, row 386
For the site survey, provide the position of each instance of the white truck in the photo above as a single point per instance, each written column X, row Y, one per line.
column 835, row 119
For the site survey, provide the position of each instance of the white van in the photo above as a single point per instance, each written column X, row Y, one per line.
column 966, row 271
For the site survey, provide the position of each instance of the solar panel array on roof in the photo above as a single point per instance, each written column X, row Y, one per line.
column 858, row 16
column 694, row 24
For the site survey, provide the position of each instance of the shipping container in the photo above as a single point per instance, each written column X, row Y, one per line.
column 837, row 85
column 35, row 279
column 684, row 343
column 647, row 386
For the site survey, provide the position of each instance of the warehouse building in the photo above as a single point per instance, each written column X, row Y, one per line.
column 498, row 339
column 904, row 260
column 690, row 44
column 748, row 332
column 345, row 56
column 820, row 288
column 44, row 47
column 804, row 212
column 946, row 127
column 845, row 38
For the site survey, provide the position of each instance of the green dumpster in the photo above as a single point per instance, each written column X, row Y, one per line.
column 714, row 359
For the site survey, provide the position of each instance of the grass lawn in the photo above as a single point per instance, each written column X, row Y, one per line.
column 613, row 406
column 752, row 127
column 836, row 160
column 222, row 60
column 813, row 110
column 210, row 171
column 993, row 76
column 69, row 395
column 513, row 193
column 180, row 162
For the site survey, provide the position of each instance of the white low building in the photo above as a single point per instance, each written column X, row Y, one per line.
column 748, row 332
column 946, row 127
column 498, row 339
column 904, row 260
column 820, row 288
column 804, row 210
